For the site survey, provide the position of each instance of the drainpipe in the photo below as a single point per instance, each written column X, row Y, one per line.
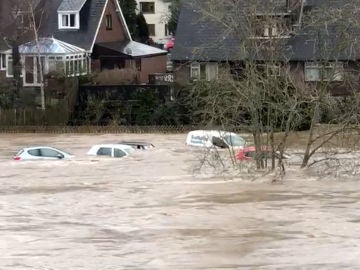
column 301, row 12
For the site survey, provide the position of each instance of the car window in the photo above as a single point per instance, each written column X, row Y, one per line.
column 219, row 142
column 46, row 152
column 35, row 152
column 234, row 140
column 104, row 151
column 119, row 153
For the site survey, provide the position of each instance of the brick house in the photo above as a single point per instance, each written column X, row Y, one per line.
column 75, row 37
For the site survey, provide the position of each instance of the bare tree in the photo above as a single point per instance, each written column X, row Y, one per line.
column 24, row 26
column 334, row 32
column 267, row 86
column 34, row 23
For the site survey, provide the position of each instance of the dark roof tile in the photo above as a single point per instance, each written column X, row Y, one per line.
column 90, row 15
column 71, row 5
column 199, row 39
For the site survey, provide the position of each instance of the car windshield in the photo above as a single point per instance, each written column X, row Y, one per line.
column 234, row 140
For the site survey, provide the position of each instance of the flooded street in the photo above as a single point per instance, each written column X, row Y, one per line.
column 150, row 211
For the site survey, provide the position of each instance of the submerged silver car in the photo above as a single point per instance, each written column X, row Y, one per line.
column 41, row 152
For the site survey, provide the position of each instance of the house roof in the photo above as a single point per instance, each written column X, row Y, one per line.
column 49, row 46
column 71, row 5
column 220, row 39
column 133, row 48
column 207, row 40
column 90, row 15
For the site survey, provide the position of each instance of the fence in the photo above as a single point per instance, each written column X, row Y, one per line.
column 23, row 117
column 162, row 129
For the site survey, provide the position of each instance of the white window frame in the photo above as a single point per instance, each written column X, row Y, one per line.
column 76, row 64
column 271, row 30
column 9, row 63
column 195, row 71
column 35, row 69
column 273, row 70
column 2, row 61
column 336, row 71
column 68, row 14
column 72, row 65
column 209, row 76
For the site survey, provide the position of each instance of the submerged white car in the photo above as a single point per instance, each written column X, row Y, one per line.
column 41, row 152
column 110, row 150
column 219, row 138
column 138, row 144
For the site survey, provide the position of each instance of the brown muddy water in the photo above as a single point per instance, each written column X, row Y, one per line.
column 151, row 210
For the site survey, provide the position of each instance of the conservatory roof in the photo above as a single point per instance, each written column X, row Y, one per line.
column 71, row 5
column 49, row 46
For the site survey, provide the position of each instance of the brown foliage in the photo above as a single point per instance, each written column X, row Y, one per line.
column 116, row 77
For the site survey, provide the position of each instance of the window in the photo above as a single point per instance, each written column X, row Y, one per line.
column 35, row 152
column 138, row 64
column 31, row 70
column 68, row 21
column 271, row 30
column 104, row 151
column 271, row 27
column 55, row 64
column 119, row 153
column 147, row 7
column 10, row 68
column 323, row 72
column 76, row 64
column 203, row 71
column 151, row 28
column 108, row 22
column 272, row 70
column 2, row 61
column 46, row 152
column 166, row 30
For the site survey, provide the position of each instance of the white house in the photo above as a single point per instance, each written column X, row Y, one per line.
column 156, row 13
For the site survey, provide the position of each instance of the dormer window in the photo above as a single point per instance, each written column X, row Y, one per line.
column 69, row 14
column 266, row 27
column 69, row 21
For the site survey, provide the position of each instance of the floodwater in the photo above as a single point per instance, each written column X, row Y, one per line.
column 151, row 210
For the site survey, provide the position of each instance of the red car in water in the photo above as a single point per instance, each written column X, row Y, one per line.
column 249, row 153
column 170, row 44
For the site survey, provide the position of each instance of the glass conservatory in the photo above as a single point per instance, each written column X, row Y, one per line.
column 53, row 56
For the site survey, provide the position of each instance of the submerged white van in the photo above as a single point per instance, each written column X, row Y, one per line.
column 219, row 138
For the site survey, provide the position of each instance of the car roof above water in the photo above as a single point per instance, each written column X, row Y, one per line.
column 204, row 138
column 138, row 144
column 112, row 145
